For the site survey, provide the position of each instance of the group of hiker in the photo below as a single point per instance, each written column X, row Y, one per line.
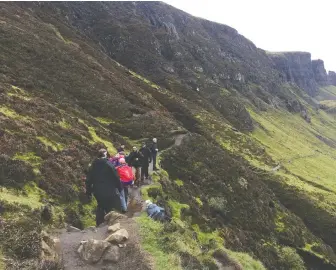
column 109, row 177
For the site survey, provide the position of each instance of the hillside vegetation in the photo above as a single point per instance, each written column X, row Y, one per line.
column 252, row 185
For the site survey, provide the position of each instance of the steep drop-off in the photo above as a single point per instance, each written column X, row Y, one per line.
column 252, row 185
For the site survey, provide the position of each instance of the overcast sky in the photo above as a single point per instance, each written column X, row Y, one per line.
column 276, row 25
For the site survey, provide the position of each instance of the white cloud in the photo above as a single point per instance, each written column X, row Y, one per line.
column 276, row 25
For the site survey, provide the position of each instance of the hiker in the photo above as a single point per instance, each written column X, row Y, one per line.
column 147, row 158
column 121, row 149
column 135, row 160
column 115, row 160
column 126, row 175
column 156, row 212
column 154, row 149
column 103, row 181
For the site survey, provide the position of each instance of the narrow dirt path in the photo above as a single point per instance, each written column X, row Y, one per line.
column 132, row 256
column 136, row 205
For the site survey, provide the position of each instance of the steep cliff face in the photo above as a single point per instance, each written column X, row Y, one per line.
column 320, row 73
column 332, row 77
column 297, row 68
column 192, row 57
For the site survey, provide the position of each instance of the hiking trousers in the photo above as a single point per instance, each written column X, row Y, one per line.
column 137, row 175
column 154, row 161
column 124, row 198
column 106, row 205
column 144, row 172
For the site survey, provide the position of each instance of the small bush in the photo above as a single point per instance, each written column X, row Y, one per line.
column 20, row 237
column 289, row 259
column 14, row 173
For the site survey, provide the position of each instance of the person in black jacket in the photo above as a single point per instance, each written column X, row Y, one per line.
column 135, row 160
column 154, row 149
column 103, row 182
column 147, row 158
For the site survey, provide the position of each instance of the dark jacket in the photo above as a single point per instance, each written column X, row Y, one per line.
column 153, row 148
column 135, row 159
column 102, row 179
column 147, row 155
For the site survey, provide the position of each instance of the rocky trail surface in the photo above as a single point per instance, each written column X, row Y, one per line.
column 100, row 254
column 90, row 249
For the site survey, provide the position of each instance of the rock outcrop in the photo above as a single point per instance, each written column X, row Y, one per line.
column 51, row 252
column 114, row 228
column 332, row 77
column 320, row 73
column 92, row 250
column 297, row 67
column 118, row 237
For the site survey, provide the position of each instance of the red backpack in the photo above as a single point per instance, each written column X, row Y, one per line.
column 125, row 173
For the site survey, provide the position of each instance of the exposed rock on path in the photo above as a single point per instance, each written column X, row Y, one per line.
column 126, row 257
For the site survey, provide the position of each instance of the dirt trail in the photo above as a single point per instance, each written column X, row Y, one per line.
column 132, row 256
column 136, row 205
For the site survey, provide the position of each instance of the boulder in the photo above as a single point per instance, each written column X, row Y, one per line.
column 93, row 250
column 118, row 237
column 112, row 254
column 114, row 228
column 113, row 217
column 50, row 253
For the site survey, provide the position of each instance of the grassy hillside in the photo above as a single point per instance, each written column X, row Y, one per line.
column 252, row 186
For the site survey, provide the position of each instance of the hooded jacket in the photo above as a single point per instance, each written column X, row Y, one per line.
column 102, row 179
column 135, row 159
column 147, row 155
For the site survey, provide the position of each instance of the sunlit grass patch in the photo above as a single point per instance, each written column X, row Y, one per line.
column 64, row 124
column 10, row 113
column 151, row 238
column 29, row 157
column 50, row 143
column 30, row 196
column 104, row 121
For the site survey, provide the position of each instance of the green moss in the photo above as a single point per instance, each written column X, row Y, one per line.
column 104, row 121
column 12, row 114
column 88, row 214
column 280, row 225
column 153, row 85
column 224, row 92
column 30, row 158
column 310, row 248
column 246, row 261
column 179, row 182
column 151, row 233
column 96, row 138
column 64, row 124
column 290, row 259
column 207, row 237
column 30, row 196
column 176, row 208
column 19, row 93
column 199, row 201
column 49, row 143
column 154, row 188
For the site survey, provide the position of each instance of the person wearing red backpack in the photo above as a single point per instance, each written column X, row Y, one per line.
column 126, row 176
